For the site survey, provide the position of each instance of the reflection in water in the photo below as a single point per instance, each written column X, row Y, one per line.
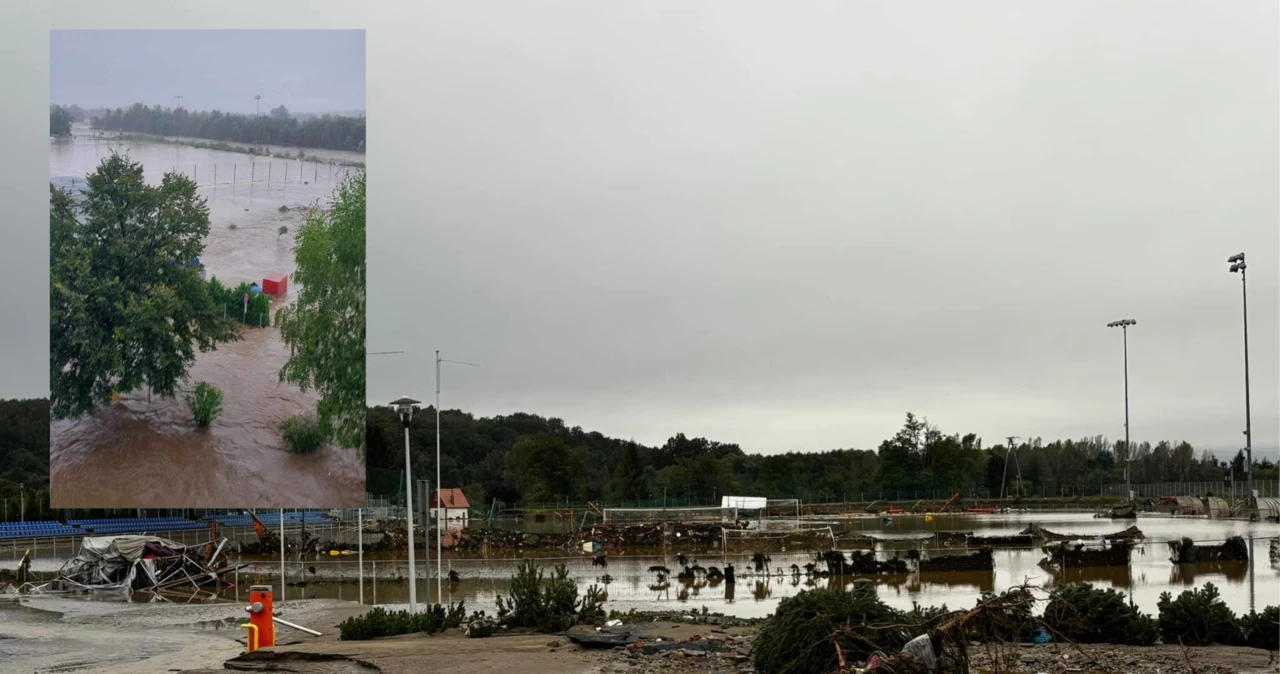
column 1115, row 576
column 1195, row 574
column 983, row 581
column 634, row 585
column 144, row 451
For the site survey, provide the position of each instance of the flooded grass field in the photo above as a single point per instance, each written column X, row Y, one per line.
column 632, row 586
column 146, row 452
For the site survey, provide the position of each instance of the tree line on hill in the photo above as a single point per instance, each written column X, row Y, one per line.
column 533, row 459
column 278, row 127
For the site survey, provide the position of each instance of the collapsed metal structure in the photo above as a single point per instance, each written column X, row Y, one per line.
column 140, row 563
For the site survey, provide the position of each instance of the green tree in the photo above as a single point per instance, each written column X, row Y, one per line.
column 59, row 121
column 325, row 328
column 626, row 477
column 122, row 314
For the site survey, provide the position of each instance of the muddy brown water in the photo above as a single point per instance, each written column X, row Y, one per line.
column 144, row 451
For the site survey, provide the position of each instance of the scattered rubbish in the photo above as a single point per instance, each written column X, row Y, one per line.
column 1186, row 551
column 977, row 561
column 1072, row 556
column 613, row 623
column 1133, row 533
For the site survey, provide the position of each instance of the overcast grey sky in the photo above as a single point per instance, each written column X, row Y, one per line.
column 787, row 226
column 305, row 70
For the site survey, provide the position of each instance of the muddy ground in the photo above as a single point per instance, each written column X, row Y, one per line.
column 46, row 635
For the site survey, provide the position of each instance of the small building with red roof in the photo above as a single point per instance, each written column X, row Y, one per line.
column 453, row 507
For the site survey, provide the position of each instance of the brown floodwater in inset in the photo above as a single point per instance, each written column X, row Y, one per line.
column 144, row 451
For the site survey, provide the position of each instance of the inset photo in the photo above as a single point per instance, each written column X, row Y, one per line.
column 207, row 268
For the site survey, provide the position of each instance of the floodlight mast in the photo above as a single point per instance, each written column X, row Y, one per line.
column 1124, row 324
column 404, row 406
column 1238, row 265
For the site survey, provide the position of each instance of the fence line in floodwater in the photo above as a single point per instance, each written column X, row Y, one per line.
column 267, row 172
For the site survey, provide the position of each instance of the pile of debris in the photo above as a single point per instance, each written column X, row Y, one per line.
column 1016, row 540
column 480, row 540
column 950, row 538
column 1076, row 555
column 140, row 563
column 1186, row 551
column 601, row 536
column 859, row 564
column 977, row 561
column 1133, row 533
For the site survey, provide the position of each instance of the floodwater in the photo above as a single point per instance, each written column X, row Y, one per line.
column 632, row 586
column 145, row 452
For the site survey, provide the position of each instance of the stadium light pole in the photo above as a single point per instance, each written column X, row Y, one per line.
column 1124, row 324
column 439, row 486
column 1237, row 265
column 404, row 406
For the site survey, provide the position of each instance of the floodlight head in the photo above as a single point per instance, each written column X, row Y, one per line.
column 1239, row 266
column 404, row 405
column 1238, row 257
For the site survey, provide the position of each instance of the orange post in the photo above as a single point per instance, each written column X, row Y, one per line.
column 260, row 614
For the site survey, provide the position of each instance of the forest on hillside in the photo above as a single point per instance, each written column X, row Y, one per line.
column 278, row 127
column 526, row 458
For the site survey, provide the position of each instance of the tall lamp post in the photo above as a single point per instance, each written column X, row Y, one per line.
column 1124, row 324
column 404, row 406
column 1237, row 265
column 439, row 485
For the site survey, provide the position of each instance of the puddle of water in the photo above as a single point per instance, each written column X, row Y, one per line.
column 146, row 453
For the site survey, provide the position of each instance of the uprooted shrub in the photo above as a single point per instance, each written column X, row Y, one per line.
column 1262, row 630
column 547, row 604
column 1008, row 617
column 802, row 636
column 1198, row 617
column 380, row 622
column 1085, row 614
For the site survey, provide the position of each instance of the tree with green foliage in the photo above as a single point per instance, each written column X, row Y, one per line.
column 626, row 477
column 59, row 121
column 123, row 312
column 325, row 328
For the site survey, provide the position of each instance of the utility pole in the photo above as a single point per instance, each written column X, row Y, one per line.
column 179, row 100
column 439, row 486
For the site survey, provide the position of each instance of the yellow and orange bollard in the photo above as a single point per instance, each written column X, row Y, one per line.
column 261, row 626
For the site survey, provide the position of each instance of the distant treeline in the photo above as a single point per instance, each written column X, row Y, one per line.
column 278, row 127
column 529, row 458
column 24, row 453
column 533, row 459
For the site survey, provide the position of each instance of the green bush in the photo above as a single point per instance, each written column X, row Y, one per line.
column 1085, row 614
column 303, row 433
column 205, row 403
column 799, row 637
column 547, row 605
column 1197, row 618
column 1262, row 630
column 257, row 314
column 383, row 623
